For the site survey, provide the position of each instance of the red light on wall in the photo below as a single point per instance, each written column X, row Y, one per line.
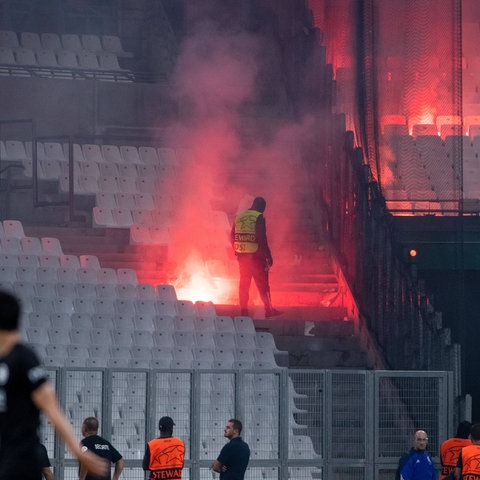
column 413, row 252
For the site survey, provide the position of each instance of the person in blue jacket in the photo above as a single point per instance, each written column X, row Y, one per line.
column 417, row 463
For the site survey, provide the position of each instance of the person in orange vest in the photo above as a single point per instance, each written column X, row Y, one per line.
column 468, row 464
column 164, row 456
column 249, row 241
column 450, row 449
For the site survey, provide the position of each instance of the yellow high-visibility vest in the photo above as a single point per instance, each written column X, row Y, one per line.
column 245, row 239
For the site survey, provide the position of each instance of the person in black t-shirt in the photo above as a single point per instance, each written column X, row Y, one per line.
column 101, row 447
column 24, row 392
column 233, row 460
column 44, row 462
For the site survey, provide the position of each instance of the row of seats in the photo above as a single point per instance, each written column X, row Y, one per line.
column 62, row 59
column 67, row 41
column 17, row 150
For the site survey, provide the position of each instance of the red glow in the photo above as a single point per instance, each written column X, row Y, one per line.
column 413, row 253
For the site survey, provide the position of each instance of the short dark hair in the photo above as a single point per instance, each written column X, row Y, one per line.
column 259, row 204
column 9, row 311
column 237, row 425
column 463, row 429
column 475, row 432
column 91, row 424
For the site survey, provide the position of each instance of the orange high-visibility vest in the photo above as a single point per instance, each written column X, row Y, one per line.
column 166, row 458
column 470, row 463
column 449, row 452
column 245, row 239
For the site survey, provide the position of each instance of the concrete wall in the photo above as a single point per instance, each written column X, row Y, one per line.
column 60, row 107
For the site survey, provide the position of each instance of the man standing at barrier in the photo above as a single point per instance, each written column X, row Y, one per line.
column 164, row 456
column 450, row 449
column 233, row 460
column 249, row 241
column 25, row 392
column 468, row 464
column 417, row 464
column 99, row 446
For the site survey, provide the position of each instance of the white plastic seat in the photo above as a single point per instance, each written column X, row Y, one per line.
column 127, row 275
column 144, row 201
column 130, row 155
column 142, row 338
column 13, row 228
column 87, row 275
column 164, row 323
column 122, row 218
column 224, row 339
column 85, row 290
column 30, row 40
column 127, row 169
column 104, row 305
column 102, row 320
column 66, row 274
column 206, row 310
column 124, row 306
column 126, row 291
column 46, row 58
column 142, row 217
column 81, row 320
column 91, row 43
column 145, row 291
column 24, row 289
column 6, row 56
column 105, row 200
column 9, row 38
column 80, row 336
column 71, row 42
column 125, row 200
column 148, row 155
column 108, row 61
column 47, row 274
column 145, row 307
column 63, row 305
column 146, row 184
column 50, row 41
column 48, row 261
column 107, row 275
column 108, row 184
column 111, row 153
column 67, row 59
column 9, row 260
column 113, row 44
column 69, row 261
column 84, row 305
column 143, row 323
column 26, row 274
column 140, row 235
column 100, row 336
column 244, row 325
column 51, row 246
column 15, row 150
column 245, row 341
column 66, row 290
column 92, row 153
column 204, row 339
column 163, row 339
column 39, row 320
column 109, row 169
column 10, row 245
column 25, row 56
column 127, row 184
column 27, row 260
column 122, row 338
column 106, row 290
column 224, row 324
column 166, row 292
column 102, row 217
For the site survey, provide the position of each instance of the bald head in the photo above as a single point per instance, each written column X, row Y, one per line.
column 420, row 440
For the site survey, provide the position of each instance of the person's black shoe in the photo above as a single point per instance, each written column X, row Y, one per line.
column 272, row 313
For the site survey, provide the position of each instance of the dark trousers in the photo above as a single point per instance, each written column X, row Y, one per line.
column 252, row 266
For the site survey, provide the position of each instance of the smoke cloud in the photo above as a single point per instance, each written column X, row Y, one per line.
column 232, row 144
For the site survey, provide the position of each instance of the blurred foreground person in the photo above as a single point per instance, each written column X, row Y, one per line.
column 249, row 241
column 25, row 392
column 468, row 466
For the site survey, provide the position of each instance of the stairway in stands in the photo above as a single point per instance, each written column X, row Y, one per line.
column 315, row 327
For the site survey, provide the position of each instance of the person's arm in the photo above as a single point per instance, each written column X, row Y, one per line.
column 457, row 473
column 146, row 458
column 261, row 234
column 47, row 473
column 45, row 399
column 118, row 469
column 218, row 467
